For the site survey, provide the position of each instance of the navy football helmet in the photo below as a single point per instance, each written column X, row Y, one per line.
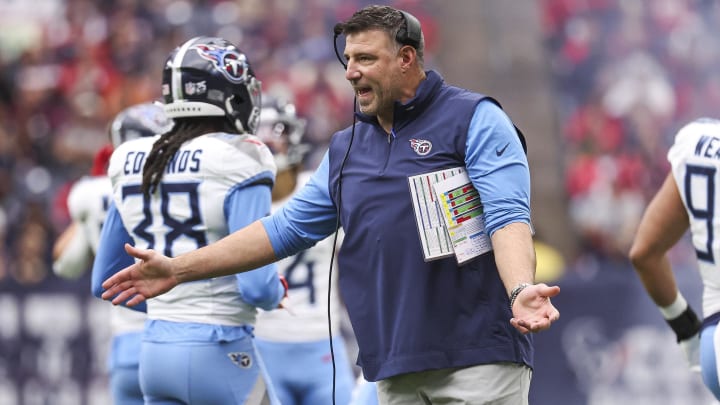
column 209, row 76
column 147, row 119
column 282, row 131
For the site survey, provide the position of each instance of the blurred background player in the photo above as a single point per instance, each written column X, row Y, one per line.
column 75, row 248
column 294, row 343
column 206, row 177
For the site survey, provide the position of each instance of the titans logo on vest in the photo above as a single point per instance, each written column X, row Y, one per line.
column 421, row 146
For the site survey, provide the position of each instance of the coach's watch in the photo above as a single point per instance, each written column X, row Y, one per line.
column 516, row 291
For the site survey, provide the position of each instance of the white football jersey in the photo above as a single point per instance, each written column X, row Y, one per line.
column 187, row 212
column 695, row 160
column 88, row 203
column 307, row 275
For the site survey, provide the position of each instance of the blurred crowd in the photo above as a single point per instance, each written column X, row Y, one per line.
column 68, row 66
column 627, row 74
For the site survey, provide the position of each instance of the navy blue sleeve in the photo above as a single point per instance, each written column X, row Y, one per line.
column 111, row 256
column 260, row 287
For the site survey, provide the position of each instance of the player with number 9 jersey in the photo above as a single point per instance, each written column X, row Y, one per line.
column 695, row 161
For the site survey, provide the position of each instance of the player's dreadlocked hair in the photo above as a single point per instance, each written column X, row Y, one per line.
column 167, row 145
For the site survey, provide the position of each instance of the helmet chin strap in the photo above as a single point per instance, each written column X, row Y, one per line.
column 252, row 120
column 230, row 112
column 239, row 126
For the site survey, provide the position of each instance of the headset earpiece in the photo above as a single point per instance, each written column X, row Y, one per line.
column 411, row 33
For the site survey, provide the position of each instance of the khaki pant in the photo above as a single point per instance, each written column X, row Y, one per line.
column 487, row 384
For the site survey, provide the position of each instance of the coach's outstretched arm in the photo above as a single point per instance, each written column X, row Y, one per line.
column 155, row 274
column 516, row 262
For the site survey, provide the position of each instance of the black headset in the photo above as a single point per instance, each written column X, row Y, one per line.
column 409, row 33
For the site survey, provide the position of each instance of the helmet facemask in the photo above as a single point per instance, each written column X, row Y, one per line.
column 140, row 120
column 282, row 131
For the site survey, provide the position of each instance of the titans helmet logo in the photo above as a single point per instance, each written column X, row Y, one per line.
column 231, row 63
column 421, row 146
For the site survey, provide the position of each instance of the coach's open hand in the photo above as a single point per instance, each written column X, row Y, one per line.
column 147, row 278
column 532, row 310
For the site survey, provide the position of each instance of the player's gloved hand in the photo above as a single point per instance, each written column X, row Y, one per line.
column 686, row 325
column 691, row 348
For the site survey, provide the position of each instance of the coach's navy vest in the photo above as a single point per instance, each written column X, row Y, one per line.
column 409, row 315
